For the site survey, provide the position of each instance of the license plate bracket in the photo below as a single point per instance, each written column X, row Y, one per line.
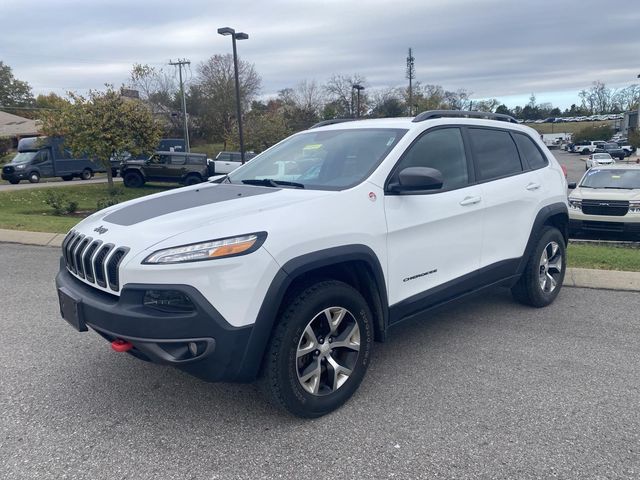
column 71, row 309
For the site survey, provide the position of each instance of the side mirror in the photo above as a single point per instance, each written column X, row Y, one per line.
column 415, row 179
column 571, row 185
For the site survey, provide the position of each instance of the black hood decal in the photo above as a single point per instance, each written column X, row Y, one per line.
column 183, row 200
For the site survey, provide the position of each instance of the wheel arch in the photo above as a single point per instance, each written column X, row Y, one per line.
column 553, row 215
column 356, row 265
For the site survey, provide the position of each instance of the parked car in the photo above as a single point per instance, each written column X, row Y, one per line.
column 46, row 157
column 290, row 277
column 607, row 199
column 597, row 159
column 612, row 149
column 227, row 162
column 165, row 145
column 586, row 147
column 185, row 168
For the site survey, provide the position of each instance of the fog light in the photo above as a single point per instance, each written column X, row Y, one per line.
column 193, row 348
column 170, row 301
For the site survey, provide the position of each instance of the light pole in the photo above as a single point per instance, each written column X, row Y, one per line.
column 236, row 36
column 357, row 87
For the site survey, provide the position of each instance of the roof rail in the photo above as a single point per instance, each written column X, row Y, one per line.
column 331, row 122
column 429, row 114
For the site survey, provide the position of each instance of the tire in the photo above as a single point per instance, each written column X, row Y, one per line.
column 289, row 374
column 133, row 180
column 530, row 289
column 192, row 180
column 585, row 152
column 34, row 177
column 14, row 182
column 86, row 174
column 67, row 178
column 586, row 168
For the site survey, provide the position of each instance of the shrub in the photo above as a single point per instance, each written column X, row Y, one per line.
column 113, row 198
column 59, row 202
column 592, row 133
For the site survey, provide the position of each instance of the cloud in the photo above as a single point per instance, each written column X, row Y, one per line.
column 494, row 48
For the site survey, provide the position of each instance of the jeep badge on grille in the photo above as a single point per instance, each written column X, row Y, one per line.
column 100, row 230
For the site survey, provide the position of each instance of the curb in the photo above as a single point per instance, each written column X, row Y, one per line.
column 575, row 277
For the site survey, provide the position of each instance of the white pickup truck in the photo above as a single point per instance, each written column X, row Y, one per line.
column 227, row 162
column 586, row 147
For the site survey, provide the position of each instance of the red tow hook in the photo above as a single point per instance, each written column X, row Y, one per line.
column 120, row 345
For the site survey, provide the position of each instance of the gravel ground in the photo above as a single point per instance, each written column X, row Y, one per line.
column 485, row 389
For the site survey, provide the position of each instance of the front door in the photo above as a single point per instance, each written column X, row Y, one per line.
column 436, row 237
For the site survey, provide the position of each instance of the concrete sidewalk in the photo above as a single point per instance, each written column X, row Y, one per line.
column 575, row 277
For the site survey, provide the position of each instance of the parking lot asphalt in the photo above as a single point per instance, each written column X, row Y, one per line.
column 485, row 389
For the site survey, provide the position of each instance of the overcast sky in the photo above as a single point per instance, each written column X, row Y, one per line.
column 494, row 48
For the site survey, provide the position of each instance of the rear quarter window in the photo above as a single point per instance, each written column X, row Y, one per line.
column 530, row 152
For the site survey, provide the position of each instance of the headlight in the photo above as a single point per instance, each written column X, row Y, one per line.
column 634, row 206
column 209, row 250
column 575, row 204
column 19, row 167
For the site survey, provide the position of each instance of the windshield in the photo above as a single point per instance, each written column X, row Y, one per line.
column 618, row 178
column 322, row 160
column 23, row 157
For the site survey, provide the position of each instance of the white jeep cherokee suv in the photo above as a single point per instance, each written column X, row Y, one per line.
column 291, row 267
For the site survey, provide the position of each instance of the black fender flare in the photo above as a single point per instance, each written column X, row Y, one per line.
column 542, row 218
column 286, row 275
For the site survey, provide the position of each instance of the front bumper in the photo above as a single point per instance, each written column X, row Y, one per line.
column 21, row 175
column 162, row 337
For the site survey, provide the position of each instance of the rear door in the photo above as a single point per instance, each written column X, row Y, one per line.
column 433, row 237
column 511, row 195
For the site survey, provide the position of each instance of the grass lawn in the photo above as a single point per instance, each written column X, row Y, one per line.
column 571, row 127
column 27, row 210
column 603, row 257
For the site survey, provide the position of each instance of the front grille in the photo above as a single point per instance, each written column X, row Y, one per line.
column 8, row 169
column 612, row 208
column 92, row 260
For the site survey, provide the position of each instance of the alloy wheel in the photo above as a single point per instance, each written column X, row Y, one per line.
column 550, row 269
column 328, row 351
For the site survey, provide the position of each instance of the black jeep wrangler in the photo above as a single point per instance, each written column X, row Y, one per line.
column 184, row 168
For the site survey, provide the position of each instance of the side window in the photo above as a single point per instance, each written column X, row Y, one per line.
column 530, row 152
column 442, row 149
column 495, row 153
column 41, row 157
column 177, row 160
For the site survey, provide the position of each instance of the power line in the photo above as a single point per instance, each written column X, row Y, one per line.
column 180, row 63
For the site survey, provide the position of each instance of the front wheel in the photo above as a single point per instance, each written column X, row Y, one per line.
column 86, row 174
column 543, row 275
column 320, row 350
column 192, row 180
column 34, row 177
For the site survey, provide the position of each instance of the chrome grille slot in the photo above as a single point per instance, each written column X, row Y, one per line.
column 71, row 253
column 78, row 256
column 98, row 264
column 65, row 246
column 113, row 264
column 87, row 263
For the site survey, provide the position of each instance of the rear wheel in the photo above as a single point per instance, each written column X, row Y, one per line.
column 67, row 178
column 320, row 350
column 86, row 174
column 34, row 177
column 542, row 279
column 133, row 180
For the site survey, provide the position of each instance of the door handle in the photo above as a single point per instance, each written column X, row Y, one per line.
column 470, row 201
column 533, row 186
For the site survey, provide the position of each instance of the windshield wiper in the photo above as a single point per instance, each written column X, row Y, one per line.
column 270, row 182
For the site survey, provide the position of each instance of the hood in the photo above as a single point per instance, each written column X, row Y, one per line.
column 605, row 194
column 158, row 217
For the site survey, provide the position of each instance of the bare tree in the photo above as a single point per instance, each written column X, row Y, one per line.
column 339, row 90
column 628, row 98
column 216, row 87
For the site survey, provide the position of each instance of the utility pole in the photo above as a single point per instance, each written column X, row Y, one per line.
column 180, row 64
column 411, row 74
